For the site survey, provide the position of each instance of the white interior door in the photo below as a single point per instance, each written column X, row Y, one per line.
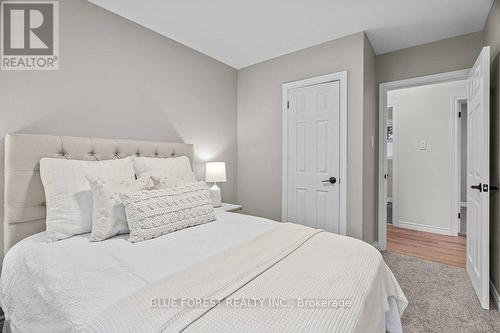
column 478, row 176
column 314, row 156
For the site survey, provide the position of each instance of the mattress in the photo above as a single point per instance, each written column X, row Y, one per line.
column 65, row 285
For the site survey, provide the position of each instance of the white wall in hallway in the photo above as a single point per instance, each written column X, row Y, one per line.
column 424, row 154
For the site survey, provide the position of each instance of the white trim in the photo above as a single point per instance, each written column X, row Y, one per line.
column 496, row 295
column 389, row 199
column 382, row 169
column 383, row 89
column 423, row 227
column 395, row 188
column 459, row 75
column 456, row 129
column 342, row 78
column 463, row 204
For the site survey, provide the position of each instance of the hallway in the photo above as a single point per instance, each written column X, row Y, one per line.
column 439, row 248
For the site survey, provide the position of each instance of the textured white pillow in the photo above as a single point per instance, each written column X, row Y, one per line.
column 108, row 218
column 165, row 172
column 67, row 192
column 158, row 212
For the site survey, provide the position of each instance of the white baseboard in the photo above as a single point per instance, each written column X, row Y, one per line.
column 496, row 296
column 422, row 227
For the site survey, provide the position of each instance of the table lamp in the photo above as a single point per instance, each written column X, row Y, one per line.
column 215, row 172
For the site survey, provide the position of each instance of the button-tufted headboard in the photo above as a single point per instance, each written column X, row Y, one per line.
column 24, row 200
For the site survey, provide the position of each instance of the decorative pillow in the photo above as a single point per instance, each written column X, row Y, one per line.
column 109, row 217
column 67, row 192
column 165, row 172
column 158, row 212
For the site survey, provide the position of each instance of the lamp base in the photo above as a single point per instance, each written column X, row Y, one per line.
column 215, row 194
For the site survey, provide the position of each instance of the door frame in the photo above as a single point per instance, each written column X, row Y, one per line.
column 395, row 187
column 342, row 181
column 456, row 200
column 384, row 88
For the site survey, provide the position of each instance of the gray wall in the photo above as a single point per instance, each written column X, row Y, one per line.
column 492, row 38
column 432, row 58
column 492, row 29
column 118, row 79
column 259, row 124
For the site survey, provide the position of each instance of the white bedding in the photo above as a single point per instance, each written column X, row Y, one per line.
column 63, row 286
column 60, row 286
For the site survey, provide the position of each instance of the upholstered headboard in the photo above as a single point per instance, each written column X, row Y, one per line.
column 24, row 200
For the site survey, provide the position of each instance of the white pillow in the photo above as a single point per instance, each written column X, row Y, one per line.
column 165, row 172
column 108, row 218
column 67, row 192
column 158, row 212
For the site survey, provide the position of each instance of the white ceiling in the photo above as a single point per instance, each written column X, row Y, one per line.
column 244, row 32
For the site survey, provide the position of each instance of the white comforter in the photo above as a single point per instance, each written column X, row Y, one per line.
column 60, row 286
column 63, row 286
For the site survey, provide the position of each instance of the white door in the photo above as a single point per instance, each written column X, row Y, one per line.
column 314, row 156
column 478, row 176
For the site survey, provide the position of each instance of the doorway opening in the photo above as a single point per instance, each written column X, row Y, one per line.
column 424, row 164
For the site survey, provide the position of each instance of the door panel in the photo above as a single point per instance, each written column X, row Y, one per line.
column 478, row 175
column 314, row 156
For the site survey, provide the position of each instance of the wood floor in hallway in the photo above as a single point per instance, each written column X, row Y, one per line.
column 439, row 248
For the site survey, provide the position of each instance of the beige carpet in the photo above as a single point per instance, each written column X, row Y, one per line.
column 441, row 298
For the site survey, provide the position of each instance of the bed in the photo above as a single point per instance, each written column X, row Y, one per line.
column 239, row 273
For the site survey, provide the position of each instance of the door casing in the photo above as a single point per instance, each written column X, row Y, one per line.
column 342, row 181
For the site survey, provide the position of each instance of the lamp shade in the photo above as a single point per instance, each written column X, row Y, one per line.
column 215, row 172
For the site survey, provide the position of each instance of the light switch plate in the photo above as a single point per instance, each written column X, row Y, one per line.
column 422, row 145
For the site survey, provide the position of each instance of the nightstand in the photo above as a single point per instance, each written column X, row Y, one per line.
column 229, row 207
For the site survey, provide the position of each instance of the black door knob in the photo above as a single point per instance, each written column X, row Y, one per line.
column 331, row 180
column 477, row 187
